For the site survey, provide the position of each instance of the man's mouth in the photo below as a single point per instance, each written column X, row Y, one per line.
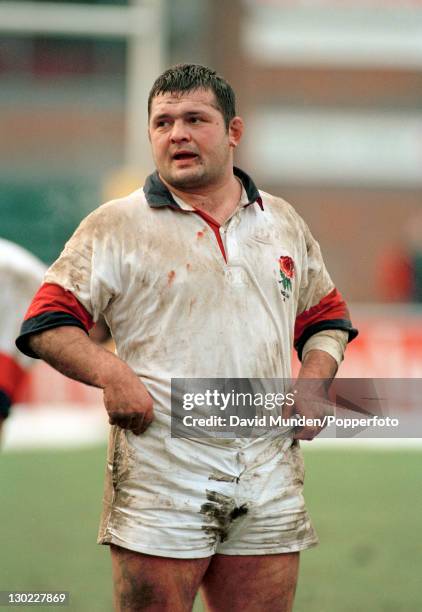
column 184, row 155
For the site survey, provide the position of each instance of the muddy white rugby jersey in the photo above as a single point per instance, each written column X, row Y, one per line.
column 186, row 297
column 20, row 276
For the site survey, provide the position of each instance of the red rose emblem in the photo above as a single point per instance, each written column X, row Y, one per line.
column 287, row 266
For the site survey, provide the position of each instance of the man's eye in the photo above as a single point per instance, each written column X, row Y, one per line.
column 194, row 119
column 162, row 123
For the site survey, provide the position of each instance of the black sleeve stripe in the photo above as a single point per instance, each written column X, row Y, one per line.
column 343, row 324
column 42, row 322
column 5, row 403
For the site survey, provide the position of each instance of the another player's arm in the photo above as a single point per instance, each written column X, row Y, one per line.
column 70, row 351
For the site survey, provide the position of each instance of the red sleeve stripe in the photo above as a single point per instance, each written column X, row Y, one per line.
column 332, row 306
column 11, row 375
column 53, row 298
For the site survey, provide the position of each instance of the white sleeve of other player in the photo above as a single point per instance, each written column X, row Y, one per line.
column 21, row 274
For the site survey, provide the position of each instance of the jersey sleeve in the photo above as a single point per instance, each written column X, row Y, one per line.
column 320, row 305
column 331, row 341
column 79, row 285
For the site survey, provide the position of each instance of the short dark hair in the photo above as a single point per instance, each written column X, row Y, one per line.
column 189, row 77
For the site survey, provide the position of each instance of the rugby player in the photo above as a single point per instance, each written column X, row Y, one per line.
column 199, row 274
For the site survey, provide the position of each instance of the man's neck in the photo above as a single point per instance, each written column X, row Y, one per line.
column 219, row 201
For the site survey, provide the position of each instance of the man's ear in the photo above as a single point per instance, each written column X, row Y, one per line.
column 236, row 127
column 149, row 135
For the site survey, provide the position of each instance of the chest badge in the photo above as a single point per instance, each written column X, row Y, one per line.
column 287, row 273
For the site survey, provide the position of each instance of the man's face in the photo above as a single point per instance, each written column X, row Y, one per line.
column 190, row 143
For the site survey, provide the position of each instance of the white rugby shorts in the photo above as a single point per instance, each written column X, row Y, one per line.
column 180, row 498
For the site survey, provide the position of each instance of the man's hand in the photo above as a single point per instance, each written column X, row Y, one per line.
column 71, row 352
column 312, row 403
column 129, row 405
column 311, row 393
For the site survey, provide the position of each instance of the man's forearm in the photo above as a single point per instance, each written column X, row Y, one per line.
column 318, row 364
column 317, row 371
column 70, row 351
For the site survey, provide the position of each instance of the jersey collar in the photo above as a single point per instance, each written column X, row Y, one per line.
column 158, row 195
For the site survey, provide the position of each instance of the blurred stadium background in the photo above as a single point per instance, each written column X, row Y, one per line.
column 331, row 93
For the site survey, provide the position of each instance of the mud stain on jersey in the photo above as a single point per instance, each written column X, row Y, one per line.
column 270, row 359
column 69, row 271
column 170, row 277
column 221, row 510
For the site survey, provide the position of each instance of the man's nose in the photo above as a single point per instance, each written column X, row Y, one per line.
column 179, row 132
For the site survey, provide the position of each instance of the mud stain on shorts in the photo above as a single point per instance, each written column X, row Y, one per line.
column 222, row 477
column 222, row 511
column 129, row 500
column 297, row 463
column 122, row 456
column 125, row 499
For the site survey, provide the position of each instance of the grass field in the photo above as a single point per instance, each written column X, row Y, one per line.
column 366, row 506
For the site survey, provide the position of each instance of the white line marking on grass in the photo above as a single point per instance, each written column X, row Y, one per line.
column 68, row 425
column 363, row 443
column 54, row 426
